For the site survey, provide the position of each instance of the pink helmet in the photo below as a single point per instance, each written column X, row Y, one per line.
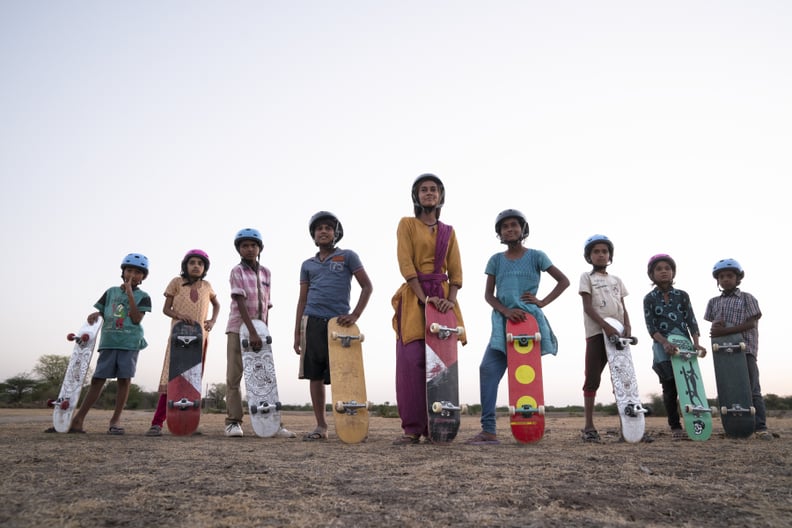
column 195, row 253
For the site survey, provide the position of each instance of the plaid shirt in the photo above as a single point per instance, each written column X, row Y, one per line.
column 735, row 308
column 255, row 288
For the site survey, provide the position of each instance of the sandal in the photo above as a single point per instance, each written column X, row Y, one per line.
column 483, row 438
column 154, row 430
column 591, row 436
column 408, row 439
column 115, row 430
column 317, row 434
column 73, row 430
column 678, row 434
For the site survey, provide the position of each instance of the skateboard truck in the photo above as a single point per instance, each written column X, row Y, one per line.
column 265, row 407
column 351, row 407
column 729, row 348
column 635, row 409
column 444, row 332
column 698, row 410
column 620, row 342
column 79, row 339
column 445, row 408
column 346, row 339
column 524, row 339
column 738, row 409
column 184, row 404
column 267, row 341
column 526, row 411
column 185, row 340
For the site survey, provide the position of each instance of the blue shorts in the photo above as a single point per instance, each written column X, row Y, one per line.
column 114, row 363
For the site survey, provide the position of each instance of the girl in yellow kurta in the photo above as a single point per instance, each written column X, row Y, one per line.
column 430, row 263
column 187, row 298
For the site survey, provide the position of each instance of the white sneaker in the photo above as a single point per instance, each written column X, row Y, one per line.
column 234, row 429
column 285, row 433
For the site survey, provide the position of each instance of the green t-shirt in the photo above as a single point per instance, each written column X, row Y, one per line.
column 118, row 330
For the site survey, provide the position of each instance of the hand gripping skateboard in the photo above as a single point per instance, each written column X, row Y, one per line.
column 184, row 378
column 692, row 399
column 625, row 383
column 348, row 382
column 526, row 394
column 734, row 387
column 442, row 374
column 260, row 381
column 63, row 406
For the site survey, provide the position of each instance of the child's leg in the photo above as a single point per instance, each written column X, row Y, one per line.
column 97, row 384
column 596, row 359
column 756, row 394
column 234, row 412
column 670, row 403
column 491, row 370
column 318, row 399
column 161, row 412
column 121, row 399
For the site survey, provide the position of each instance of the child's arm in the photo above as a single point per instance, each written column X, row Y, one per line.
column 208, row 325
column 365, row 293
column 720, row 329
column 562, row 283
column 512, row 314
column 255, row 340
column 168, row 310
column 92, row 317
column 135, row 315
column 301, row 301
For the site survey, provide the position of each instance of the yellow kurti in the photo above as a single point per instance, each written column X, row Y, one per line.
column 415, row 252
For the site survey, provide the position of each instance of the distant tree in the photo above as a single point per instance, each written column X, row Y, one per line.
column 16, row 388
column 216, row 395
column 51, row 368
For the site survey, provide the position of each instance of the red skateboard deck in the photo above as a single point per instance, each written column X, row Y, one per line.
column 184, row 379
column 526, row 395
column 442, row 375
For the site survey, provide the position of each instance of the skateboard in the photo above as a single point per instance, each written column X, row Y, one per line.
column 348, row 382
column 84, row 344
column 260, row 381
column 734, row 387
column 692, row 399
column 526, row 395
column 625, row 384
column 442, row 374
column 184, row 378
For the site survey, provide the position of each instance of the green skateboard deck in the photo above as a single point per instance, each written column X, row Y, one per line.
column 696, row 412
column 734, row 387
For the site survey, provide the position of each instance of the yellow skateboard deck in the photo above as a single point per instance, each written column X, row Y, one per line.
column 347, row 382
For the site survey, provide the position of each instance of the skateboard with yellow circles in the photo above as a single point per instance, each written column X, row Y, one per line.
column 526, row 395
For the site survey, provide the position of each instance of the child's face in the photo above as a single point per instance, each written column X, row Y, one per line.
column 663, row 273
column 727, row 279
column 132, row 275
column 428, row 193
column 510, row 230
column 600, row 255
column 249, row 249
column 195, row 267
column 324, row 234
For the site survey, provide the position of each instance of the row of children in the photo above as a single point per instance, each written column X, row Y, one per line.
column 430, row 263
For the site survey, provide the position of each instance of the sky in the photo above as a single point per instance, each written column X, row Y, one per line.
column 158, row 127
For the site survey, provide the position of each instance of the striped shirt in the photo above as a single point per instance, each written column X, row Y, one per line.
column 254, row 286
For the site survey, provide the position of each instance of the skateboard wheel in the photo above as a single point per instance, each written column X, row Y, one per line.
column 753, row 410
column 64, row 405
column 512, row 410
column 509, row 338
column 170, row 404
column 434, row 328
column 71, row 337
column 50, row 403
column 339, row 406
column 537, row 337
column 633, row 340
column 245, row 343
column 334, row 335
column 268, row 340
column 460, row 331
column 437, row 407
column 253, row 409
column 724, row 410
column 715, row 347
column 362, row 338
column 713, row 410
column 463, row 409
column 541, row 410
column 688, row 408
column 742, row 346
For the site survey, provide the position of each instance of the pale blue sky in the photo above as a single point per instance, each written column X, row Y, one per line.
column 156, row 127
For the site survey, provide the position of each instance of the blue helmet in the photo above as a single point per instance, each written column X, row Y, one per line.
column 728, row 264
column 248, row 234
column 136, row 260
column 596, row 239
column 338, row 229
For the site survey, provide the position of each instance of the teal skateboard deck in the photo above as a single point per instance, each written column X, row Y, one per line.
column 696, row 412
column 734, row 386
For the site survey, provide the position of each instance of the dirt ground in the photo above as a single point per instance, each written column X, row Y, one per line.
column 210, row 480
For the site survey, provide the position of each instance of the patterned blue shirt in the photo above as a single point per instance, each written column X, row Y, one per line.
column 664, row 317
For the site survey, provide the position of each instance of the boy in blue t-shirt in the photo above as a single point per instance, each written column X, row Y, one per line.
column 325, row 287
column 122, row 308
